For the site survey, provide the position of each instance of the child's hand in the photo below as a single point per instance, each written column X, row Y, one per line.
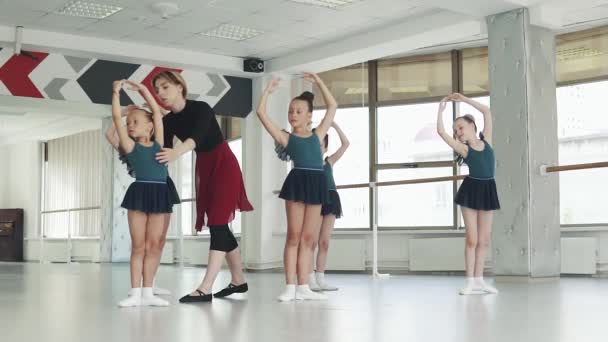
column 270, row 88
column 116, row 86
column 311, row 77
column 135, row 86
column 166, row 155
column 457, row 97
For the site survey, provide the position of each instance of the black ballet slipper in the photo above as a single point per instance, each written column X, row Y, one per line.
column 202, row 297
column 230, row 289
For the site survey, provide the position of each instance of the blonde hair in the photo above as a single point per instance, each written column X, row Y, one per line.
column 174, row 78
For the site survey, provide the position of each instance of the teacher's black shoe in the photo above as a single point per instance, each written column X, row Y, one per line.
column 230, row 289
column 202, row 297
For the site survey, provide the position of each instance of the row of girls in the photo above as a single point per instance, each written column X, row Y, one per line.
column 312, row 204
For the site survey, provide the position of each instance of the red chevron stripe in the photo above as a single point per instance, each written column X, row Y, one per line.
column 15, row 74
column 148, row 82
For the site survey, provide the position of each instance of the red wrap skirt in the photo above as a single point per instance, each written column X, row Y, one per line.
column 220, row 190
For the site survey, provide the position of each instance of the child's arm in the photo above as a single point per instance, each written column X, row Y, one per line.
column 277, row 134
column 330, row 103
column 344, row 143
column 157, row 115
column 124, row 140
column 112, row 137
column 485, row 110
column 457, row 146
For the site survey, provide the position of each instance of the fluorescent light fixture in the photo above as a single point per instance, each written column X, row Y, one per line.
column 333, row 4
column 88, row 10
column 2, row 113
column 233, row 32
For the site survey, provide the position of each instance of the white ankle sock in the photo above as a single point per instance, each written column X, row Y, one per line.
column 469, row 286
column 312, row 281
column 149, row 299
column 134, row 298
column 479, row 283
column 489, row 288
column 288, row 294
column 303, row 292
column 322, row 284
column 162, row 292
column 159, row 290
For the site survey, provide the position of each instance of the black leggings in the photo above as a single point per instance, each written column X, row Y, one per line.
column 222, row 239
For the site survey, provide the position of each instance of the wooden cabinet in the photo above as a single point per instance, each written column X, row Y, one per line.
column 11, row 234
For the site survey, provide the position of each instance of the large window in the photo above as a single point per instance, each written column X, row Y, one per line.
column 348, row 85
column 583, row 138
column 414, row 78
column 389, row 107
column 408, row 146
column 415, row 205
column 354, row 165
column 408, row 133
column 582, row 76
column 582, row 56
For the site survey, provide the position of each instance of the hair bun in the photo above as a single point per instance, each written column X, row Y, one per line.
column 308, row 96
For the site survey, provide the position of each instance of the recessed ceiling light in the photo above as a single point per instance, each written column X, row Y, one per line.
column 234, row 32
column 88, row 10
column 333, row 4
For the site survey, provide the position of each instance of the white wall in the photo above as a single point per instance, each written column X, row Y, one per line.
column 23, row 183
column 20, row 184
column 4, row 175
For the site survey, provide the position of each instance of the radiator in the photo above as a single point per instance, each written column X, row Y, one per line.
column 579, row 255
column 436, row 254
column 346, row 254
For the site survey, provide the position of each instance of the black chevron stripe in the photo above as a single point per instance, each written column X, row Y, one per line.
column 97, row 80
column 237, row 101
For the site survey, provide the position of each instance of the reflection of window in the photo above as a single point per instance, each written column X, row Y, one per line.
column 411, row 205
column 71, row 181
column 416, row 77
column 583, row 138
column 408, row 133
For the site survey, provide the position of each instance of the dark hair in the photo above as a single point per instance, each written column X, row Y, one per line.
column 469, row 119
column 326, row 140
column 307, row 97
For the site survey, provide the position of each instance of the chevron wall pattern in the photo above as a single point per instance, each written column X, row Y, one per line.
column 67, row 78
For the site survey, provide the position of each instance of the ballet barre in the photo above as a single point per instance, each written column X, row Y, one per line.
column 374, row 187
column 69, row 241
column 545, row 169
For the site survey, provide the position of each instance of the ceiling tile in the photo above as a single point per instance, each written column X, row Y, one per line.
column 63, row 23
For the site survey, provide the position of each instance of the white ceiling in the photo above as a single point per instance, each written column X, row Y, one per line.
column 16, row 127
column 294, row 35
column 287, row 26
